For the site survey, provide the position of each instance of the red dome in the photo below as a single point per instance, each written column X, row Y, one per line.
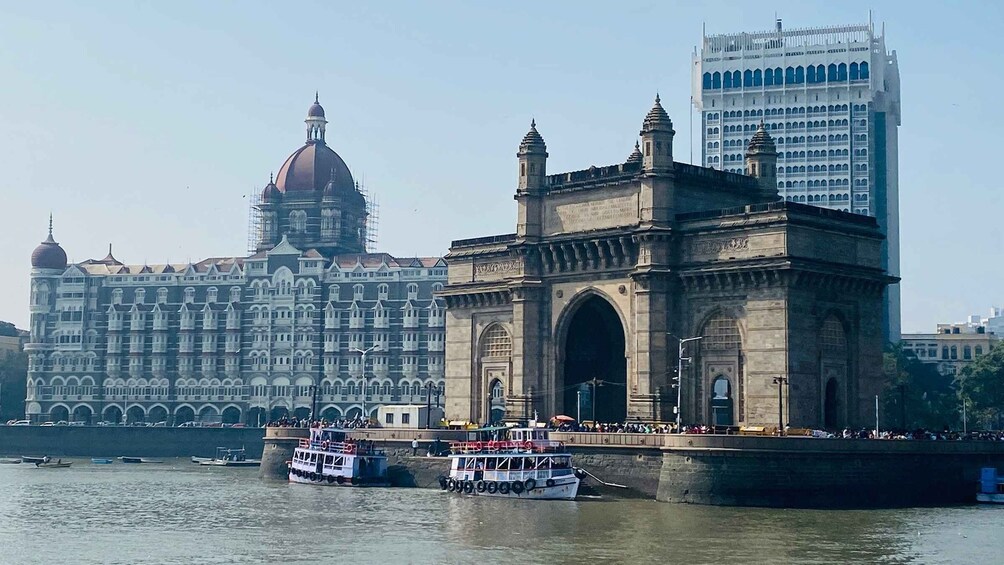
column 48, row 255
column 310, row 167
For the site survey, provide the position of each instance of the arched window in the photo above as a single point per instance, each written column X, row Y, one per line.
column 967, row 352
column 721, row 333
column 748, row 78
column 496, row 342
column 842, row 72
column 736, row 79
column 716, row 80
column 863, row 70
column 979, row 350
column 706, row 85
column 831, row 72
column 854, row 71
column 757, row 78
column 799, row 75
column 728, row 80
column 955, row 352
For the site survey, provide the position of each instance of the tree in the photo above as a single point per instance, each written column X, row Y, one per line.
column 7, row 329
column 13, row 385
column 981, row 388
column 916, row 395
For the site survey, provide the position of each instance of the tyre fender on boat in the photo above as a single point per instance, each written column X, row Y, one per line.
column 492, row 487
column 529, row 484
column 517, row 487
column 550, row 482
column 451, row 485
column 442, row 482
column 503, row 488
column 480, row 486
column 355, row 480
column 331, row 480
column 469, row 487
column 340, row 480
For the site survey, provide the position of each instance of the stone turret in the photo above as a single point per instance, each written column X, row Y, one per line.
column 657, row 140
column 761, row 161
column 532, row 157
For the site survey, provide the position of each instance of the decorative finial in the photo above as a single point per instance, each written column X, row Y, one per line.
column 315, row 98
column 270, row 179
column 50, row 224
column 109, row 249
column 533, row 123
column 657, row 101
column 636, row 146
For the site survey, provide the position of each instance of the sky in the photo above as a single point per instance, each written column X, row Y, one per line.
column 148, row 124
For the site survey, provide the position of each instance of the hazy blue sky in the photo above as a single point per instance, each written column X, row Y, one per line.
column 147, row 124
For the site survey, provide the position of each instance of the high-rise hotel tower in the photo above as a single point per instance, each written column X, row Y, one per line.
column 830, row 98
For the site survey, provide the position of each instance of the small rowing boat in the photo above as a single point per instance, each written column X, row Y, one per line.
column 58, row 464
column 139, row 460
column 102, row 460
column 6, row 461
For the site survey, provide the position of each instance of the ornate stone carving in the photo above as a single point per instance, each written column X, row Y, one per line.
column 497, row 269
column 715, row 246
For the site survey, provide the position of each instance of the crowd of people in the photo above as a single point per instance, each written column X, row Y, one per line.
column 344, row 423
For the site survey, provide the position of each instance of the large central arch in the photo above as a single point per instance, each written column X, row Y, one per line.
column 594, row 348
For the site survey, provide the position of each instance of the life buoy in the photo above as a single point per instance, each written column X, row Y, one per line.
column 517, row 487
column 493, row 445
column 528, row 445
column 492, row 487
column 340, row 479
column 550, row 482
column 442, row 482
column 529, row 484
column 350, row 448
column 325, row 445
column 480, row 486
column 469, row 487
column 503, row 488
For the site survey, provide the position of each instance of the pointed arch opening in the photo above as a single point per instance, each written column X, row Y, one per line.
column 593, row 384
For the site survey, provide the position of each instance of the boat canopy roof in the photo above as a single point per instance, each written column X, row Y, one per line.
column 328, row 434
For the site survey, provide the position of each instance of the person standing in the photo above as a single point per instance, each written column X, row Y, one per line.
column 414, row 447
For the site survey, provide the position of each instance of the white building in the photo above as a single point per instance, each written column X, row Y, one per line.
column 830, row 97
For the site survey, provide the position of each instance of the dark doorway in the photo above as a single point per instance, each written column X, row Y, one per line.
column 113, row 414
column 721, row 402
column 59, row 414
column 256, row 417
column 231, row 415
column 497, row 402
column 82, row 414
column 278, row 413
column 594, row 349
column 157, row 415
column 183, row 414
column 830, row 417
column 135, row 414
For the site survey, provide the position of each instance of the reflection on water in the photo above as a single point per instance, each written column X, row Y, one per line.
column 182, row 513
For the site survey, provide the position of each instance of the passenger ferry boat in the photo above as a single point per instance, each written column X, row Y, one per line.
column 991, row 486
column 330, row 457
column 512, row 463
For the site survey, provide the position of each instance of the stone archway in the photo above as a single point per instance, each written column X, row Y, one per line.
column 593, row 354
column 59, row 413
column 184, row 414
column 231, row 415
column 721, row 402
column 135, row 414
column 112, row 414
column 157, row 415
column 82, row 413
column 496, row 393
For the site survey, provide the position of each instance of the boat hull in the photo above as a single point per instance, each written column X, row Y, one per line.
column 323, row 481
column 992, row 498
column 218, row 463
column 563, row 488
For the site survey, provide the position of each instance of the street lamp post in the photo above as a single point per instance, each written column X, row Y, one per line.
column 679, row 375
column 365, row 352
column 428, row 405
column 780, row 382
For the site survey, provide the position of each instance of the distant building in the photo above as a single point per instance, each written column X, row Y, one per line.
column 243, row 339
column 952, row 347
column 10, row 344
column 830, row 96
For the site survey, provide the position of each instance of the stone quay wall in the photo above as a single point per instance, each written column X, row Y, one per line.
column 787, row 472
column 116, row 441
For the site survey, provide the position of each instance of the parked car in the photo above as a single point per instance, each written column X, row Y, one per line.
column 107, row 423
column 48, row 423
column 62, row 423
column 160, row 424
column 78, row 423
column 19, row 423
column 190, row 425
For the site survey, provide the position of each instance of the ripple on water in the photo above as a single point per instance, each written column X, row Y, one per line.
column 179, row 513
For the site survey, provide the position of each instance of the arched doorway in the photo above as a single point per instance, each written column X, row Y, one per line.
column 721, row 402
column 59, row 414
column 209, row 415
column 183, row 414
column 158, row 414
column 594, row 354
column 82, row 414
column 231, row 415
column 278, row 413
column 113, row 415
column 497, row 394
column 135, row 414
column 257, row 417
column 301, row 413
column 831, row 405
column 331, row 414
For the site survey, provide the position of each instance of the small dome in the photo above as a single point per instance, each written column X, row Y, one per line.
column 657, row 118
column 635, row 156
column 761, row 142
column 48, row 255
column 532, row 141
column 315, row 111
column 271, row 192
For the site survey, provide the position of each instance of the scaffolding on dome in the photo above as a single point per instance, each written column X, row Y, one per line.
column 372, row 218
column 254, row 221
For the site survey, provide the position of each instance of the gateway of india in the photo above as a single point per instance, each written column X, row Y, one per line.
column 582, row 309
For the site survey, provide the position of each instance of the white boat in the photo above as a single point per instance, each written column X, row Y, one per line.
column 227, row 457
column 991, row 486
column 512, row 463
column 139, row 460
column 332, row 458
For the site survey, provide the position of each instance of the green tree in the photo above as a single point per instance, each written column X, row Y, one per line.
column 916, row 395
column 7, row 329
column 981, row 388
column 13, row 385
